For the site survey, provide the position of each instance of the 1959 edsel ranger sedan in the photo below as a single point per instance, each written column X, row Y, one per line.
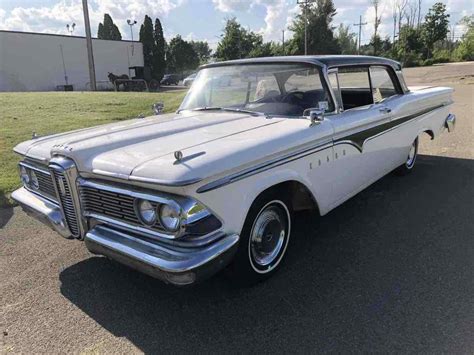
column 181, row 196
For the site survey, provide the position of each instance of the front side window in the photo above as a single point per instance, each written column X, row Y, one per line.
column 274, row 89
column 354, row 85
column 382, row 84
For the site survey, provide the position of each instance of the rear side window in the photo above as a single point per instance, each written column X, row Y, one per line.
column 354, row 85
column 382, row 84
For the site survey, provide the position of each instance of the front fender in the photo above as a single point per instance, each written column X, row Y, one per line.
column 231, row 203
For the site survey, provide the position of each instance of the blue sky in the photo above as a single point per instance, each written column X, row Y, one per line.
column 197, row 19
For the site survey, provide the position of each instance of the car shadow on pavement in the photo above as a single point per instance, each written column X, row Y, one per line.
column 391, row 269
column 6, row 209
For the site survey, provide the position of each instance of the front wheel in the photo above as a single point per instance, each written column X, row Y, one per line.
column 409, row 164
column 264, row 239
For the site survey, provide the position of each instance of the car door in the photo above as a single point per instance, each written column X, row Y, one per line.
column 359, row 158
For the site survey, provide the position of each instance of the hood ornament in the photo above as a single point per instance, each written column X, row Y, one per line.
column 178, row 155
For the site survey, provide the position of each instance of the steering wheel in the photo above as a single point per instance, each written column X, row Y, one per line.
column 293, row 97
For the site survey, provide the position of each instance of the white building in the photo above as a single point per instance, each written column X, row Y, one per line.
column 42, row 62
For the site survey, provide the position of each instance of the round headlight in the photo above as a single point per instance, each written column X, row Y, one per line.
column 146, row 212
column 34, row 180
column 25, row 178
column 170, row 217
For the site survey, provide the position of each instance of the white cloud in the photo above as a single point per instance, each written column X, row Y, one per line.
column 53, row 19
column 232, row 5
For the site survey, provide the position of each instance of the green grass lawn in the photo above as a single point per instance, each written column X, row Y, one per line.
column 45, row 113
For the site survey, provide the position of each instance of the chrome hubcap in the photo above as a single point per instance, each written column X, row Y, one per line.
column 269, row 236
column 411, row 156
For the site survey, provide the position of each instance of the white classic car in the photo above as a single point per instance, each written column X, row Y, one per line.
column 182, row 196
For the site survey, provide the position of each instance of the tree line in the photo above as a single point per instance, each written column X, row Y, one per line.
column 416, row 39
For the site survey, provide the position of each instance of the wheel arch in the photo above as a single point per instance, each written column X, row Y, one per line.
column 300, row 195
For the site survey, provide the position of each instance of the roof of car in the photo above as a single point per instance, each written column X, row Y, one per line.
column 321, row 60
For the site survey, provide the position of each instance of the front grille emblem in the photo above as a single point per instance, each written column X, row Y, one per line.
column 62, row 187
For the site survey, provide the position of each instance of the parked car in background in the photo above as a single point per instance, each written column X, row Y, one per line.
column 216, row 184
column 170, row 79
column 189, row 80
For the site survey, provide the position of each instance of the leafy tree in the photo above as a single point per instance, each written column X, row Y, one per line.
column 346, row 40
column 465, row 50
column 108, row 30
column 435, row 27
column 146, row 37
column 321, row 38
column 202, row 49
column 376, row 40
column 181, row 55
column 237, row 42
column 159, row 48
column 410, row 46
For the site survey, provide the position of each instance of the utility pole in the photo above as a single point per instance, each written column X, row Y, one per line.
column 360, row 24
column 90, row 54
column 283, row 41
column 305, row 4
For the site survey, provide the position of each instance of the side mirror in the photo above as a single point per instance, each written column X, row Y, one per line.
column 316, row 116
column 158, row 108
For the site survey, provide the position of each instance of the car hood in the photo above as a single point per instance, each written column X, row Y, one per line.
column 143, row 149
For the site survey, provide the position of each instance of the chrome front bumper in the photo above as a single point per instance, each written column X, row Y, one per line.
column 171, row 264
column 450, row 122
column 179, row 266
column 43, row 210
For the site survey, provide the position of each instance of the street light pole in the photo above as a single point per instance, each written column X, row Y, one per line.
column 90, row 54
column 131, row 23
column 283, row 41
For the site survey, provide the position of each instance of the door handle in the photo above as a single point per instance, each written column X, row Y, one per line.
column 385, row 110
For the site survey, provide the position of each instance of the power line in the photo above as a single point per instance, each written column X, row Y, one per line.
column 305, row 4
column 360, row 24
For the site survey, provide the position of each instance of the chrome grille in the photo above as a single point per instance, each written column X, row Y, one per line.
column 65, row 197
column 46, row 186
column 111, row 204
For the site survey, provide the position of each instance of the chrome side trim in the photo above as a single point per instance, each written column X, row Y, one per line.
column 263, row 167
column 450, row 123
column 176, row 183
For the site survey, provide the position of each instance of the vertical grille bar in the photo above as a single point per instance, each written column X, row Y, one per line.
column 66, row 200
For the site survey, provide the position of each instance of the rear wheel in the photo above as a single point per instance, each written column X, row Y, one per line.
column 409, row 164
column 264, row 239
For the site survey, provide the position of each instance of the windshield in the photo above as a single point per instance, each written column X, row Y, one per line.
column 273, row 89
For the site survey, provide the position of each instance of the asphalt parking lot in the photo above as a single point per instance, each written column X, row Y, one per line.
column 391, row 270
